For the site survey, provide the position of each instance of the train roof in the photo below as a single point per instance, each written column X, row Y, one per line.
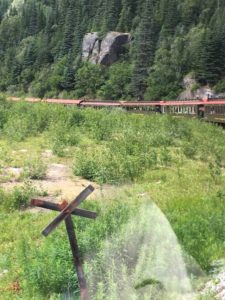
column 64, row 101
column 100, row 103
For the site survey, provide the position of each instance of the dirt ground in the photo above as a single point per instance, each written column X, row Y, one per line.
column 60, row 184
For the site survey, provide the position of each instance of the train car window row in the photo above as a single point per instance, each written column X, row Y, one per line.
column 215, row 110
column 183, row 110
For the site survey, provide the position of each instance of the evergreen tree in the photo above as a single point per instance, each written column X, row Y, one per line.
column 68, row 79
column 111, row 13
column 32, row 27
column 169, row 16
column 73, row 29
column 30, row 55
column 40, row 35
column 4, row 4
column 144, row 50
column 126, row 16
column 211, row 66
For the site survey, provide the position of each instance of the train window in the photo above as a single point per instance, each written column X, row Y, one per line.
column 222, row 110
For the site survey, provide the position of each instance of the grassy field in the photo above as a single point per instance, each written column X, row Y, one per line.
column 178, row 164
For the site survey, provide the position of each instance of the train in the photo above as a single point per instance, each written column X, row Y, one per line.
column 209, row 109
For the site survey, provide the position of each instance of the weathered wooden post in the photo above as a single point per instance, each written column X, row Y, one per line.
column 66, row 210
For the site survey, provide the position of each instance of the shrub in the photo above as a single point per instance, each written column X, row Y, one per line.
column 113, row 164
column 190, row 150
column 4, row 110
column 117, row 86
column 35, row 168
column 26, row 119
column 89, row 79
column 220, row 86
column 195, row 87
column 17, row 129
column 64, row 133
column 18, row 198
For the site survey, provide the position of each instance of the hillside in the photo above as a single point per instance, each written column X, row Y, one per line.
column 41, row 41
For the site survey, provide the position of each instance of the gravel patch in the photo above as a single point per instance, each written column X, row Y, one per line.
column 216, row 286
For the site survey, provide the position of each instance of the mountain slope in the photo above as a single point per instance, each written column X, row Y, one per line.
column 40, row 47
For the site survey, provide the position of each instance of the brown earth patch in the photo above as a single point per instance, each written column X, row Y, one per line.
column 60, row 184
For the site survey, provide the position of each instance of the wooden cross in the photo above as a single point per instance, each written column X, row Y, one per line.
column 65, row 215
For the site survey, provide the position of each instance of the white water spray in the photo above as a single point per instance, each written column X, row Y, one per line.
column 143, row 261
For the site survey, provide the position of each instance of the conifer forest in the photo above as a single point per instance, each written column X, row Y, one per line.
column 77, row 121
column 41, row 45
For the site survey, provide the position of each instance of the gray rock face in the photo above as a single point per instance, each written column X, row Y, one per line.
column 201, row 92
column 105, row 51
column 89, row 42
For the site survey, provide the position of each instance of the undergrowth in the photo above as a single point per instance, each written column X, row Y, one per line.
column 178, row 163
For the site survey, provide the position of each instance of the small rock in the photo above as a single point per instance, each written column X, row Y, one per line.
column 23, row 150
column 4, row 272
column 216, row 286
column 47, row 153
column 14, row 171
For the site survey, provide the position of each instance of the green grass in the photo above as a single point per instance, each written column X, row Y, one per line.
column 177, row 163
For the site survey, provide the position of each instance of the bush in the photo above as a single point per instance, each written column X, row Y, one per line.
column 18, row 198
column 117, row 86
column 89, row 79
column 4, row 110
column 220, row 86
column 26, row 119
column 195, row 87
column 35, row 168
column 114, row 164
column 64, row 132
column 17, row 129
column 190, row 150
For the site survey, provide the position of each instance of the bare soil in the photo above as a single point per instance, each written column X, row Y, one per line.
column 60, row 184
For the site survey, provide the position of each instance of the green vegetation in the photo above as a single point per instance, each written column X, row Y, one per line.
column 18, row 198
column 35, row 168
column 40, row 51
column 177, row 163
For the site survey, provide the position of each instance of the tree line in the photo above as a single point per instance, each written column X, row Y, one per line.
column 40, row 47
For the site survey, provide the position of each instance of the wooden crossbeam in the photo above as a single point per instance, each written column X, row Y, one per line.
column 66, row 210
column 54, row 206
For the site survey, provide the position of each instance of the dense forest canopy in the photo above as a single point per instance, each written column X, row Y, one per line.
column 40, row 47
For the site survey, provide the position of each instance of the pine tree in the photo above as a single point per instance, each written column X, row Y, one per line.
column 68, row 35
column 30, row 55
column 33, row 19
column 16, row 71
column 169, row 16
column 68, row 74
column 111, row 15
column 211, row 65
column 144, row 50
column 4, row 4
column 126, row 16
column 72, row 35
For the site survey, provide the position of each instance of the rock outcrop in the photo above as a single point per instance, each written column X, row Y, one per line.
column 193, row 91
column 104, row 51
column 88, row 45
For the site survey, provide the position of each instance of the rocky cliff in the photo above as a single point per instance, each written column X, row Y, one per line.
column 104, row 51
